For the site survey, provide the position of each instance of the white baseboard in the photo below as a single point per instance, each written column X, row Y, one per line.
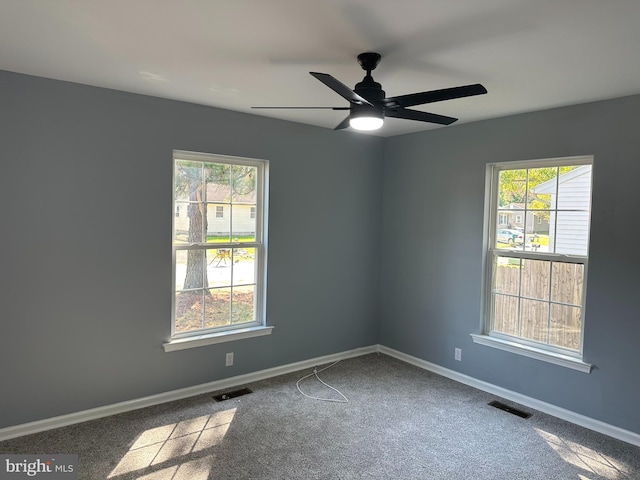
column 121, row 407
column 568, row 415
column 107, row 410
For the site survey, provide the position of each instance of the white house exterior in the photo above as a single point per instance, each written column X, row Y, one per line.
column 513, row 216
column 222, row 212
column 572, row 206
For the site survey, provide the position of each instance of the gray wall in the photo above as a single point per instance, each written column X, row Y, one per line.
column 431, row 267
column 85, row 196
column 86, row 278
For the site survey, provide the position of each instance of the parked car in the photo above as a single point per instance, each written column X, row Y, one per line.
column 512, row 237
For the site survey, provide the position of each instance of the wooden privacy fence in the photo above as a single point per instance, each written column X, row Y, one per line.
column 539, row 300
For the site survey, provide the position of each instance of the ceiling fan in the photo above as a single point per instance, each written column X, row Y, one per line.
column 368, row 105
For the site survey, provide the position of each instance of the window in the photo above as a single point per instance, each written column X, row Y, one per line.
column 535, row 280
column 252, row 213
column 219, row 260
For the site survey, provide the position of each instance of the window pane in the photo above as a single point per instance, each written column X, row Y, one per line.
column 243, row 304
column 506, row 314
column 537, row 231
column 566, row 283
column 218, row 223
column 218, row 307
column 244, row 266
column 509, row 238
column 219, row 267
column 574, row 188
column 217, row 178
column 551, row 247
column 534, row 320
column 181, row 223
column 512, row 188
column 566, row 326
column 190, row 269
column 244, row 227
column 189, row 310
column 243, row 181
column 507, row 275
column 188, row 180
column 187, row 223
column 181, row 268
column 535, row 279
column 541, row 188
column 572, row 233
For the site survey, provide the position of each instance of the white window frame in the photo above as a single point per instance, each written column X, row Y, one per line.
column 518, row 345
column 182, row 340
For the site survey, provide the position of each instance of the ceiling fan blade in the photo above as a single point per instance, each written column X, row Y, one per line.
column 343, row 124
column 435, row 96
column 340, row 88
column 309, row 108
column 419, row 116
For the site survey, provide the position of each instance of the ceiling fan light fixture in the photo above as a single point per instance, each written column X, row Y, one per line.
column 366, row 117
column 366, row 123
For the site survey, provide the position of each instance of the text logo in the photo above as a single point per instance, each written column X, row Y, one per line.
column 49, row 467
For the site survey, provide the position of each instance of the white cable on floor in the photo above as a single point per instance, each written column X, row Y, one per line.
column 315, row 373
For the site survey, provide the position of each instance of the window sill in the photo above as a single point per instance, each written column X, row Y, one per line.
column 532, row 352
column 218, row 337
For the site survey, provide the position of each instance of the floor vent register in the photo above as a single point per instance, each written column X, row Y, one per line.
column 229, row 395
column 509, row 409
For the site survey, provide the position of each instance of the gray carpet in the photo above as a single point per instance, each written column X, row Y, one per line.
column 400, row 422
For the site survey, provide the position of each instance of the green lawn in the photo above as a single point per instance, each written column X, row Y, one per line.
column 225, row 238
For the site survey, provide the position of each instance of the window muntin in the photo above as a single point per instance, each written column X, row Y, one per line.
column 219, row 261
column 537, row 271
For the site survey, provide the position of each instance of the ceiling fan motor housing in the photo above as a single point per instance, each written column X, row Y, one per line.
column 371, row 91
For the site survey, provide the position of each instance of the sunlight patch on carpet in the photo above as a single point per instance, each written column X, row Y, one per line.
column 156, row 453
column 585, row 458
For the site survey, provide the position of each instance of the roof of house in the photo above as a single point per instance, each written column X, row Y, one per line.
column 550, row 185
column 222, row 193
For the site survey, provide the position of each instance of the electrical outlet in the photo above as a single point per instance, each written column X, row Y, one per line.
column 229, row 359
column 458, row 354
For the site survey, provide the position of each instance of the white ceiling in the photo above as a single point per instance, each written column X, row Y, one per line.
column 234, row 54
